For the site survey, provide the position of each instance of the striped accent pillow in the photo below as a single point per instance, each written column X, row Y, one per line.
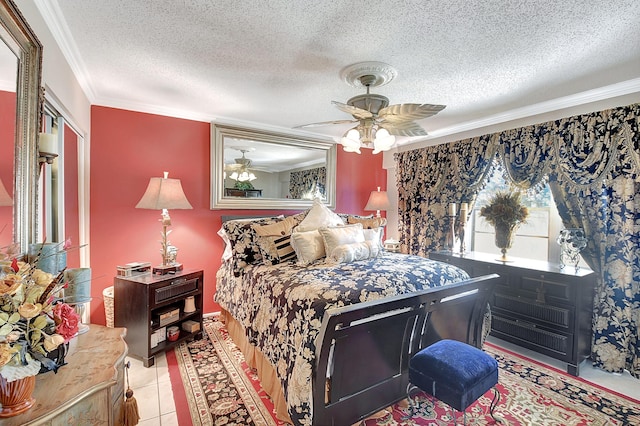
column 274, row 240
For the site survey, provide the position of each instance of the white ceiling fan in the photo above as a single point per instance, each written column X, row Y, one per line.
column 378, row 123
column 239, row 169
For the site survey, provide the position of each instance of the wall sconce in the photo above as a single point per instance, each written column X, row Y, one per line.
column 5, row 198
column 47, row 147
column 378, row 200
column 164, row 194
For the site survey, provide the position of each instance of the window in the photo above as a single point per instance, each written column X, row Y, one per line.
column 535, row 239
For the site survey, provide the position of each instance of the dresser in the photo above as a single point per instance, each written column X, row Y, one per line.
column 538, row 305
column 246, row 193
column 89, row 390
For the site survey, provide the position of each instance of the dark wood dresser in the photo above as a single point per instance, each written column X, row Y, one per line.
column 538, row 305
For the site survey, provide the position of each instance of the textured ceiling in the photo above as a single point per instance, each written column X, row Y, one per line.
column 277, row 63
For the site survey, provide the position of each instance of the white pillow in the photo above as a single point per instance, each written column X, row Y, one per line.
column 228, row 252
column 338, row 235
column 319, row 215
column 374, row 235
column 355, row 251
column 308, row 246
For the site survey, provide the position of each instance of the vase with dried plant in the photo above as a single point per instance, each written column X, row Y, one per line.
column 505, row 213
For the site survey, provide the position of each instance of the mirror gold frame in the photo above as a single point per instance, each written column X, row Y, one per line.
column 23, row 42
column 220, row 132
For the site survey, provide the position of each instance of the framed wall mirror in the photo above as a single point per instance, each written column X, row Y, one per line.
column 22, row 52
column 252, row 169
column 60, row 202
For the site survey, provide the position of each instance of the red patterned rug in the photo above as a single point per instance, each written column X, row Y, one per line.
column 214, row 386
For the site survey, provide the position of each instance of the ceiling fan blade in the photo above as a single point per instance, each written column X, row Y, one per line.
column 325, row 123
column 359, row 113
column 408, row 112
column 405, row 128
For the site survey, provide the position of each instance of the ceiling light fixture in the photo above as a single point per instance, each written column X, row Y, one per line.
column 370, row 135
column 243, row 174
column 378, row 122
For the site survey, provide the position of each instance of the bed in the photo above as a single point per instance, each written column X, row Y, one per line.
column 330, row 340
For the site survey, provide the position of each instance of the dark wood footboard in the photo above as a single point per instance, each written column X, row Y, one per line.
column 363, row 350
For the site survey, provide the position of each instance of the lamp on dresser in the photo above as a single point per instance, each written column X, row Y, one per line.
column 165, row 194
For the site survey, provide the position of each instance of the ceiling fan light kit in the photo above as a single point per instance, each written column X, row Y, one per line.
column 240, row 169
column 378, row 123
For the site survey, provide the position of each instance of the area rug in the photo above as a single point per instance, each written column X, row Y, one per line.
column 214, row 386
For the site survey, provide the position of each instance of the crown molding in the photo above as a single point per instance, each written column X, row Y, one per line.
column 56, row 23
column 582, row 98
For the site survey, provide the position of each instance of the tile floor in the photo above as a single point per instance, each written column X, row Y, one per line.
column 152, row 390
column 152, row 387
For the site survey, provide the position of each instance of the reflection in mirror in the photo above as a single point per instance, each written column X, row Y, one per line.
column 24, row 48
column 59, row 207
column 254, row 170
column 8, row 77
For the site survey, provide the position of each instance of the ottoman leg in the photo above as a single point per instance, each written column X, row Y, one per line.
column 494, row 403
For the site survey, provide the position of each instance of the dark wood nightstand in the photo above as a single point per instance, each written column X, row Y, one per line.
column 538, row 305
column 147, row 304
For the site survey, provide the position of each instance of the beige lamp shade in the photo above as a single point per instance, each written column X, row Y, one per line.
column 378, row 200
column 5, row 198
column 164, row 193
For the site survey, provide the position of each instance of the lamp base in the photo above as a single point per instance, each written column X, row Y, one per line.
column 167, row 269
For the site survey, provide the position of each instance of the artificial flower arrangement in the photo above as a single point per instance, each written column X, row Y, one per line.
column 505, row 210
column 34, row 322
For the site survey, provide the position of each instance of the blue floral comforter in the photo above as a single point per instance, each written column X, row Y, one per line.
column 281, row 307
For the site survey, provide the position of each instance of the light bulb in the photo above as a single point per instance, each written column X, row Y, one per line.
column 383, row 141
column 351, row 141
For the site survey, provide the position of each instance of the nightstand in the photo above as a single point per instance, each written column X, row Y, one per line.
column 148, row 304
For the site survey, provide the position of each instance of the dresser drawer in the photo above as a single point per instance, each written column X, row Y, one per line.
column 548, row 289
column 556, row 344
column 547, row 315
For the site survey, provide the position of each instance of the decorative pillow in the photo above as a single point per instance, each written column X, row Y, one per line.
column 318, row 216
column 368, row 223
column 374, row 235
column 345, row 216
column 244, row 242
column 338, row 235
column 228, row 252
column 308, row 246
column 354, row 251
column 275, row 240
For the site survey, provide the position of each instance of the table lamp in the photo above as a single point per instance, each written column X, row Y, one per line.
column 165, row 194
column 378, row 200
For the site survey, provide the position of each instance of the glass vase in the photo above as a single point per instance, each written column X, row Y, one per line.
column 504, row 240
column 572, row 241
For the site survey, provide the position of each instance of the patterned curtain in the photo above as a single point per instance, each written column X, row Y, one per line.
column 431, row 178
column 308, row 184
column 596, row 185
column 592, row 163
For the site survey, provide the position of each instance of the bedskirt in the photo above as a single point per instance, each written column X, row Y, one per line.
column 256, row 360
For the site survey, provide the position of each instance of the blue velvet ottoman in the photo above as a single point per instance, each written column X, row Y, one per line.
column 455, row 373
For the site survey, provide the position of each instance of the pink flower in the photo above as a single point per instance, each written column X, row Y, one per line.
column 66, row 320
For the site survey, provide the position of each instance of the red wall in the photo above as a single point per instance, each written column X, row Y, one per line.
column 128, row 148
column 7, row 142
